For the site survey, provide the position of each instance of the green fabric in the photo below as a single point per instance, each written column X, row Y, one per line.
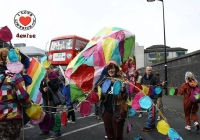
column 76, row 94
column 171, row 91
column 127, row 43
column 57, row 123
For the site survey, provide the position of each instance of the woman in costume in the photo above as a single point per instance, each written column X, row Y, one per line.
column 114, row 106
column 190, row 108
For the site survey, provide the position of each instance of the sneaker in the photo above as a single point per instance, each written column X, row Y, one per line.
column 69, row 121
column 140, row 116
column 73, row 122
column 197, row 126
column 158, row 118
column 106, row 137
column 145, row 129
column 188, row 127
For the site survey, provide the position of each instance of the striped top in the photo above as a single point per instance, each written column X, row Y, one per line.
column 12, row 94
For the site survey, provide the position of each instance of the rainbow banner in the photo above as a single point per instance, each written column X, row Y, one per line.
column 36, row 71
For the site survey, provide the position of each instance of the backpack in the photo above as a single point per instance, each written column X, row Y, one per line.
column 195, row 95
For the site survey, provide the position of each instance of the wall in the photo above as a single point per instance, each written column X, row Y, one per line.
column 177, row 67
column 139, row 54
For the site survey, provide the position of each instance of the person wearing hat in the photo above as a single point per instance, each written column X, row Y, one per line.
column 190, row 108
column 13, row 96
column 48, row 86
column 114, row 107
column 151, row 80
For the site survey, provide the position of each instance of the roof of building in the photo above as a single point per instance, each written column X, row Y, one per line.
column 30, row 50
column 160, row 48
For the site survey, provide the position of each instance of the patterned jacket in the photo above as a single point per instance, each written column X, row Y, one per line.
column 13, row 95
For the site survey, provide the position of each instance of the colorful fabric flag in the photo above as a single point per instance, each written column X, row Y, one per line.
column 36, row 71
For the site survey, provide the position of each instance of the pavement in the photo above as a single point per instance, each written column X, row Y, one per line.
column 89, row 128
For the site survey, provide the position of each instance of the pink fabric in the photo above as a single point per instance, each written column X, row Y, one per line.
column 68, row 72
column 14, row 67
column 85, row 108
column 135, row 101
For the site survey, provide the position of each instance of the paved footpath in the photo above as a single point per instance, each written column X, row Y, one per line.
column 89, row 128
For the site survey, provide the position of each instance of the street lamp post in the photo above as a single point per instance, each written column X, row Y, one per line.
column 164, row 41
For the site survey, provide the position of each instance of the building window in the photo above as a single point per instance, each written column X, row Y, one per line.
column 163, row 53
column 152, row 54
column 150, row 62
column 179, row 53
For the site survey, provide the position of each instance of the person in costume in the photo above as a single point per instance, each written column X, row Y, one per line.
column 134, row 79
column 190, row 108
column 13, row 95
column 48, row 86
column 114, row 107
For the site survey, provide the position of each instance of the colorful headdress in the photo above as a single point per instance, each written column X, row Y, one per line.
column 189, row 74
column 14, row 65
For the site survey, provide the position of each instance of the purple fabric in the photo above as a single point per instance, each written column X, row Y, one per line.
column 47, row 124
column 53, row 75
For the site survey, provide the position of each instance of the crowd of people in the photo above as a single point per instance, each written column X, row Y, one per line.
column 112, row 107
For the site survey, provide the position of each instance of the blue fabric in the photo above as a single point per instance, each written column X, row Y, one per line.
column 12, row 56
column 173, row 135
column 151, row 115
column 103, row 74
column 132, row 112
column 117, row 87
column 66, row 93
column 145, row 102
column 158, row 90
column 105, row 86
column 27, row 80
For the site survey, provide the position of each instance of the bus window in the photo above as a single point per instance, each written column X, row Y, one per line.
column 61, row 44
column 80, row 45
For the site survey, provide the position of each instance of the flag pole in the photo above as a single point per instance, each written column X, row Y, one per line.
column 164, row 46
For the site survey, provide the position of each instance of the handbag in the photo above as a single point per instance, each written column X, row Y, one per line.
column 58, row 98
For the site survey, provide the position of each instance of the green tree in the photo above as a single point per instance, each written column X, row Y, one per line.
column 158, row 58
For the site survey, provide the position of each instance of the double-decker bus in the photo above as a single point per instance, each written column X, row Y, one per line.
column 64, row 48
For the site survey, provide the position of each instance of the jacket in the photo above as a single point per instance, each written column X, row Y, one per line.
column 53, row 84
column 13, row 95
column 153, row 81
column 119, row 106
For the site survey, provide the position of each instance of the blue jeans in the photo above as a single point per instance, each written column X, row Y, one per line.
column 45, row 103
column 151, row 115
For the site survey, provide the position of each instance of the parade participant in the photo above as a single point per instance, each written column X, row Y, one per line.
column 48, row 86
column 150, row 79
column 114, row 106
column 134, row 77
column 159, row 100
column 13, row 95
column 190, row 108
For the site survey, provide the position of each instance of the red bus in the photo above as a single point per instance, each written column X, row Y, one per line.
column 64, row 48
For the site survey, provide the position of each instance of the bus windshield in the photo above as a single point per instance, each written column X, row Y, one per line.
column 62, row 44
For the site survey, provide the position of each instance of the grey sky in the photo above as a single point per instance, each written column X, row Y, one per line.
column 86, row 17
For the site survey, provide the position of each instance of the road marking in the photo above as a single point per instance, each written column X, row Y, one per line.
column 91, row 115
column 74, row 131
column 29, row 126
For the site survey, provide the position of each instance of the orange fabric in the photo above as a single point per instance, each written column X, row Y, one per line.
column 190, row 108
